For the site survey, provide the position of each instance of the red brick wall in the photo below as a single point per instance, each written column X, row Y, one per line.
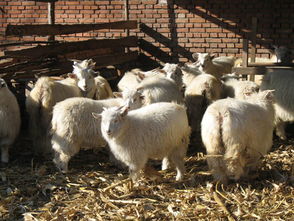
column 170, row 30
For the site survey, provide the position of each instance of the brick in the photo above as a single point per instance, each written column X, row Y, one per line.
column 204, row 25
column 181, row 15
column 194, row 40
column 197, row 29
column 213, row 49
column 181, row 40
column 216, row 30
column 230, row 45
column 221, row 35
column 161, row 20
column 71, row 3
column 181, row 35
column 87, row 11
column 189, row 25
column 72, row 11
column 59, row 20
column 149, row 11
column 204, row 35
column 15, row 3
column 181, row 20
column 28, row 3
column 205, row 45
column 134, row 2
column 63, row 15
column 213, row 40
column 195, row 20
column 189, row 35
column 230, row 50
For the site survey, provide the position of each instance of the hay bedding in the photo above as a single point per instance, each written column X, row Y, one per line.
column 32, row 189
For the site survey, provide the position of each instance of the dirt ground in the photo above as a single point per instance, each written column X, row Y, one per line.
column 32, row 189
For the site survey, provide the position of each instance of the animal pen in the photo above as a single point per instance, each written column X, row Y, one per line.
column 42, row 37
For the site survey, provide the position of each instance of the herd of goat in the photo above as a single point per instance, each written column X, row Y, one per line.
column 155, row 114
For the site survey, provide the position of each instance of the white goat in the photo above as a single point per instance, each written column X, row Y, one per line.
column 202, row 91
column 103, row 89
column 237, row 134
column 156, row 131
column 152, row 90
column 73, row 127
column 232, row 87
column 47, row 93
column 159, row 89
column 282, row 82
column 174, row 72
column 214, row 66
column 10, row 120
column 132, row 78
column 190, row 71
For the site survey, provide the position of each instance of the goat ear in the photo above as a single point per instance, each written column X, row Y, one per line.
column 96, row 116
column 212, row 56
column 72, row 75
column 141, row 76
column 91, row 63
column 75, row 61
column 124, row 112
column 138, row 89
column 269, row 94
column 195, row 56
column 77, row 65
column 117, row 94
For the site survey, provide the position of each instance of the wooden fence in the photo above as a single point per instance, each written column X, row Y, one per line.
column 53, row 57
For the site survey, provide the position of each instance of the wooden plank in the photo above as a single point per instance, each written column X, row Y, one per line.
column 127, row 17
column 273, row 64
column 27, row 65
column 24, row 43
column 44, row 0
column 253, row 43
column 6, row 62
column 249, row 70
column 245, row 53
column 81, row 55
column 258, row 70
column 253, row 40
column 58, row 29
column 68, row 47
column 118, row 58
column 30, row 70
column 51, row 18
